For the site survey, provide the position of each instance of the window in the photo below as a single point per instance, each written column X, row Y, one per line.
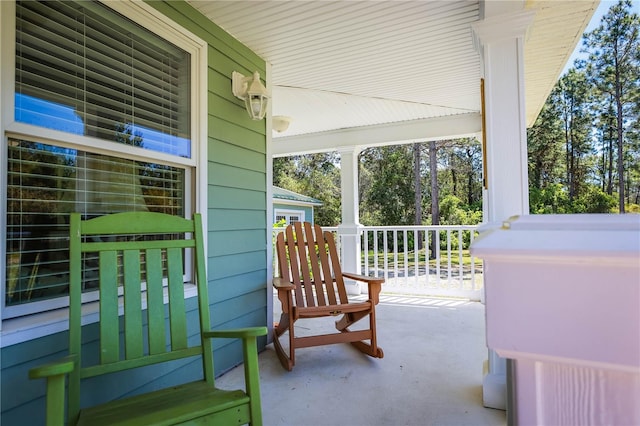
column 104, row 118
column 288, row 216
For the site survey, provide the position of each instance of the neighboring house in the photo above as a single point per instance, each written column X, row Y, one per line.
column 292, row 207
column 121, row 106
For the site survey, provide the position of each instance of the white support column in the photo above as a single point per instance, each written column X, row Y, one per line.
column 349, row 230
column 500, row 41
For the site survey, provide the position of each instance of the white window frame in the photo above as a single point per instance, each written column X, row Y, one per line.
column 28, row 327
column 288, row 213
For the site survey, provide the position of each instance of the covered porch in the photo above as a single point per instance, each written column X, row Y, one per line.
column 431, row 373
column 350, row 75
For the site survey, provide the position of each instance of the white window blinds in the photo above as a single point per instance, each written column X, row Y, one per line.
column 83, row 68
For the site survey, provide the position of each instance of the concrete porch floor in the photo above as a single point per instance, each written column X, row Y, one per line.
column 431, row 373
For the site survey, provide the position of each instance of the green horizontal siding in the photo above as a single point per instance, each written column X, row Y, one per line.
column 241, row 199
column 233, row 177
column 234, row 219
column 238, row 242
column 237, row 264
column 231, row 287
column 236, row 156
column 233, row 134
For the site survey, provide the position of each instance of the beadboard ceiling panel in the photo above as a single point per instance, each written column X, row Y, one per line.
column 342, row 64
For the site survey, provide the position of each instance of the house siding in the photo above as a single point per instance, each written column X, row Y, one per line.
column 236, row 233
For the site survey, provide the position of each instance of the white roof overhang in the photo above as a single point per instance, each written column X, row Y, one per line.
column 379, row 72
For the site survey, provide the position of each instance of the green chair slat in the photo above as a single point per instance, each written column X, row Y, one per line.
column 177, row 317
column 109, row 318
column 132, row 304
column 155, row 302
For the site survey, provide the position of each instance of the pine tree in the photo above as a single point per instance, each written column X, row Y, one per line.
column 613, row 68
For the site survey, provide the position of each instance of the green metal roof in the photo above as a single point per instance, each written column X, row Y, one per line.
column 285, row 194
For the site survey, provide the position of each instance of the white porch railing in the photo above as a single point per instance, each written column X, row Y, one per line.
column 430, row 260
column 425, row 260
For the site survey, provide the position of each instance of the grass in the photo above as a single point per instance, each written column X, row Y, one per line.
column 445, row 256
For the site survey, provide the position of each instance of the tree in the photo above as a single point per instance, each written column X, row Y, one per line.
column 315, row 175
column 571, row 96
column 391, row 193
column 614, row 70
column 544, row 146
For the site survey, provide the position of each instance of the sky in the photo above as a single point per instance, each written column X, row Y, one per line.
column 595, row 21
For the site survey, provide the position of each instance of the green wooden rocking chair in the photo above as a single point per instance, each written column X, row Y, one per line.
column 138, row 332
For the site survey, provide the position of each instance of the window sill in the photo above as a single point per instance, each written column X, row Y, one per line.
column 30, row 327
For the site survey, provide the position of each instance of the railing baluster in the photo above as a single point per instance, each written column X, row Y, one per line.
column 416, row 264
column 395, row 254
column 365, row 249
column 426, row 257
column 375, row 252
column 472, row 237
column 386, row 258
column 406, row 256
column 437, row 247
column 448, row 257
column 460, row 245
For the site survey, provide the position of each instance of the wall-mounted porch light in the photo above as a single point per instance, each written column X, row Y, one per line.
column 252, row 92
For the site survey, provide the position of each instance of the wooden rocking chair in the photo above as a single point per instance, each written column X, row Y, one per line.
column 311, row 285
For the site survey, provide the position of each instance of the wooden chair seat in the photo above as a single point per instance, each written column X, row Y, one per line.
column 131, row 254
column 330, row 310
column 311, row 285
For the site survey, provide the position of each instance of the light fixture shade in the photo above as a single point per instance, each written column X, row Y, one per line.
column 280, row 123
column 253, row 92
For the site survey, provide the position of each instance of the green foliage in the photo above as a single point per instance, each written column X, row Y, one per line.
column 390, row 193
column 454, row 212
column 314, row 175
column 551, row 199
column 585, row 144
column 595, row 201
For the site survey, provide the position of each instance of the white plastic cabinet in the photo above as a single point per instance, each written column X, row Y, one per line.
column 562, row 297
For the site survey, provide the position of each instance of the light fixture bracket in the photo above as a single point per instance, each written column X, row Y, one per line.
column 252, row 92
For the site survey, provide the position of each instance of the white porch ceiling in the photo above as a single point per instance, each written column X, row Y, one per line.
column 364, row 64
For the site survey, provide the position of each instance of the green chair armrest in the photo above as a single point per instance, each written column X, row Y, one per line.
column 249, row 337
column 55, row 373
column 56, row 368
column 236, row 333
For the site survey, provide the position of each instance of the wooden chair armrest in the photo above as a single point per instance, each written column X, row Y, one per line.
column 365, row 278
column 281, row 284
column 236, row 333
column 56, row 368
column 374, row 284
